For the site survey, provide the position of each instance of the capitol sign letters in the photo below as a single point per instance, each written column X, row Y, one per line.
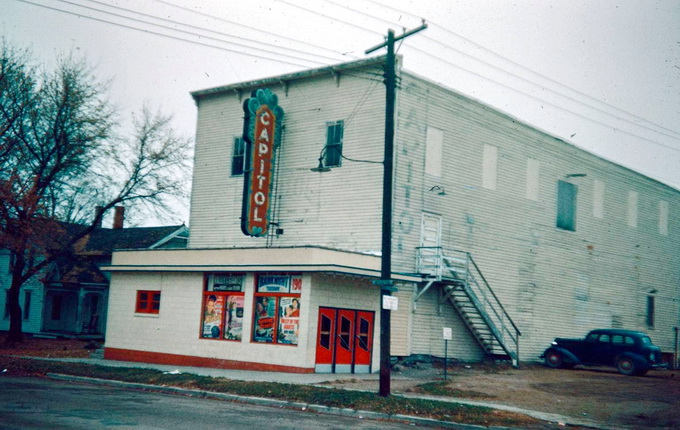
column 262, row 134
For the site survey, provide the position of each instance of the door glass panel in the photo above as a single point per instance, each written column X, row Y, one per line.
column 363, row 334
column 345, row 325
column 325, row 337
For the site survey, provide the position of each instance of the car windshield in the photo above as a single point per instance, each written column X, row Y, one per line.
column 646, row 340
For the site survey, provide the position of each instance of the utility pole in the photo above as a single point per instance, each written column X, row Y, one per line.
column 386, row 287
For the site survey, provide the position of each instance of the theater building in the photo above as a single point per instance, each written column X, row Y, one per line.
column 503, row 235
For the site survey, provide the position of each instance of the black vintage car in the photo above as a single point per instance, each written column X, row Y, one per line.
column 631, row 352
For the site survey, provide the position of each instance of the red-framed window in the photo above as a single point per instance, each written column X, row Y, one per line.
column 222, row 311
column 276, row 313
column 148, row 302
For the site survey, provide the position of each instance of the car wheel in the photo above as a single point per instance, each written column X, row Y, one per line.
column 553, row 359
column 626, row 366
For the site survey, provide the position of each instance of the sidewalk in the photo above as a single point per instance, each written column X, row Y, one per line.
column 309, row 379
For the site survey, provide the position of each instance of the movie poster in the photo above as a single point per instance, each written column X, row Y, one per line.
column 234, row 318
column 289, row 320
column 212, row 316
column 265, row 314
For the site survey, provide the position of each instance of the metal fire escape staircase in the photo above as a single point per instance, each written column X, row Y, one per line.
column 465, row 288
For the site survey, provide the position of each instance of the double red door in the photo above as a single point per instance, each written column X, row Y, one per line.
column 344, row 341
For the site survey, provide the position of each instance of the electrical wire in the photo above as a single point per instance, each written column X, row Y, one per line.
column 195, row 27
column 545, row 102
column 185, row 31
column 268, row 33
column 351, row 24
column 434, row 24
column 156, row 33
column 532, row 83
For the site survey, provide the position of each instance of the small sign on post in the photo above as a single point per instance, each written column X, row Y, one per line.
column 448, row 335
column 390, row 303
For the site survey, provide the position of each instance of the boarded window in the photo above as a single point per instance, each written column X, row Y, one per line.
column 598, row 199
column 433, row 151
column 632, row 209
column 663, row 218
column 489, row 167
column 566, row 206
column 333, row 149
column 238, row 157
column 533, row 171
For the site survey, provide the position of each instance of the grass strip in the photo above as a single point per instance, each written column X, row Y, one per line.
column 332, row 397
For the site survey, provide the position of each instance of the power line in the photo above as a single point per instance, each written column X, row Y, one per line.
column 532, row 83
column 351, row 24
column 255, row 29
column 676, row 133
column 184, row 31
column 196, row 28
column 564, row 109
column 129, row 27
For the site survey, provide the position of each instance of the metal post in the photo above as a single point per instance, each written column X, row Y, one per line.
column 446, row 357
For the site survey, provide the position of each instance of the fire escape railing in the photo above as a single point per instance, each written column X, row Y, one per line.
column 458, row 267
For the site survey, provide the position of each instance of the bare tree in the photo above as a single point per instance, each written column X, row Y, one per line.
column 60, row 157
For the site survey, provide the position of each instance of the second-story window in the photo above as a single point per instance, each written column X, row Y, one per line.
column 239, row 156
column 333, row 149
column 566, row 206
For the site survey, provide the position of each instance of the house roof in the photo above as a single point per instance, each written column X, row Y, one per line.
column 94, row 249
column 103, row 241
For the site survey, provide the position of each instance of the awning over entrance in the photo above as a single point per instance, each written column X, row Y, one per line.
column 289, row 259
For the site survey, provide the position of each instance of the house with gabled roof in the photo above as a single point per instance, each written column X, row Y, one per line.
column 69, row 298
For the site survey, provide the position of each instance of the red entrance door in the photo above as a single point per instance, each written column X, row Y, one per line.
column 344, row 341
column 363, row 342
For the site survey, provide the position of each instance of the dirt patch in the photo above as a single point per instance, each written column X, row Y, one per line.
column 38, row 347
column 597, row 394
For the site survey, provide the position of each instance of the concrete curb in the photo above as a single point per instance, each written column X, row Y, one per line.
column 272, row 402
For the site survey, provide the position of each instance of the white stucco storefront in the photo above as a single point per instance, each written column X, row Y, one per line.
column 297, row 309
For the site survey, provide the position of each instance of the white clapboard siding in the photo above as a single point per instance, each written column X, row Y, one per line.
column 429, row 320
column 531, row 265
column 340, row 208
column 552, row 282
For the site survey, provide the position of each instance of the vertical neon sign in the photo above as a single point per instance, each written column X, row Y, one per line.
column 262, row 133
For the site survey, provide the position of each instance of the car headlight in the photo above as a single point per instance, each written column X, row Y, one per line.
column 651, row 356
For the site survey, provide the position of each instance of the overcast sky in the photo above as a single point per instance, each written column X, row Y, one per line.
column 604, row 75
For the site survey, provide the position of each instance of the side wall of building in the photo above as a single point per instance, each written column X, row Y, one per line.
column 338, row 209
column 497, row 198
column 175, row 330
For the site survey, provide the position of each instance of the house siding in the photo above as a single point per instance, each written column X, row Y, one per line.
column 33, row 324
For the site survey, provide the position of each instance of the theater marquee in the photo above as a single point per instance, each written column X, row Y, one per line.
column 262, row 133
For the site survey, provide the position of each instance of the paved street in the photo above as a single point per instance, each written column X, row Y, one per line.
column 27, row 403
